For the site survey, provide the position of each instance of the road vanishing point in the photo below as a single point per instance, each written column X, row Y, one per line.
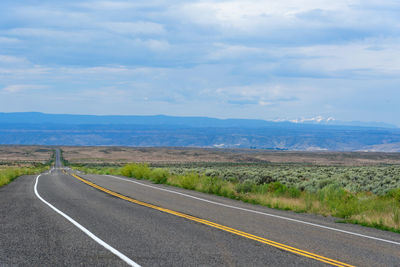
column 65, row 218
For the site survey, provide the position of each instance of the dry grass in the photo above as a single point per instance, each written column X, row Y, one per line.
column 23, row 155
column 386, row 218
column 121, row 155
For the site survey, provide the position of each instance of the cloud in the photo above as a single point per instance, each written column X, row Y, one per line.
column 291, row 23
column 109, row 5
column 7, row 40
column 18, row 88
column 153, row 44
column 243, row 58
column 6, row 59
column 354, row 56
column 256, row 94
column 226, row 51
column 59, row 35
column 135, row 28
column 249, row 15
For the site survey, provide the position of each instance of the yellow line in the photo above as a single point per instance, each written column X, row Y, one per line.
column 219, row 226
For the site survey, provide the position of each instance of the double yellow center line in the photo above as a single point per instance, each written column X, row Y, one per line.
column 219, row 226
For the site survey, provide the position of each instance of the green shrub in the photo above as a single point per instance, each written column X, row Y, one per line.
column 211, row 185
column 377, row 179
column 293, row 192
column 228, row 192
column 346, row 192
column 331, row 193
column 262, row 189
column 277, row 188
column 233, row 180
column 246, row 187
column 394, row 193
column 136, row 170
column 127, row 170
column 325, row 182
column 264, row 179
column 11, row 173
column 189, row 181
column 342, row 203
column 159, row 176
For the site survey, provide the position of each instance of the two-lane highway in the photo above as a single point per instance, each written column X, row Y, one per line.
column 99, row 220
column 34, row 234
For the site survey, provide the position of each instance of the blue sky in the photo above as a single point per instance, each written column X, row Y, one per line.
column 243, row 59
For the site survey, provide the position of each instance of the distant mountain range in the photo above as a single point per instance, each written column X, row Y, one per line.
column 332, row 121
column 89, row 130
column 159, row 120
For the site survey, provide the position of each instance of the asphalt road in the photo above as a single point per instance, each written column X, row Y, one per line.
column 33, row 233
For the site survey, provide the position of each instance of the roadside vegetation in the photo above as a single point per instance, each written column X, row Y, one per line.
column 8, row 174
column 10, row 170
column 369, row 196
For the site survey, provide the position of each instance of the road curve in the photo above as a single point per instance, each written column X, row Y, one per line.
column 351, row 244
column 33, row 233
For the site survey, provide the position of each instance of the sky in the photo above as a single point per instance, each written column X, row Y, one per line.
column 272, row 60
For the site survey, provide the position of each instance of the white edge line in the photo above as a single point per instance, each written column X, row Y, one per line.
column 259, row 212
column 86, row 231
